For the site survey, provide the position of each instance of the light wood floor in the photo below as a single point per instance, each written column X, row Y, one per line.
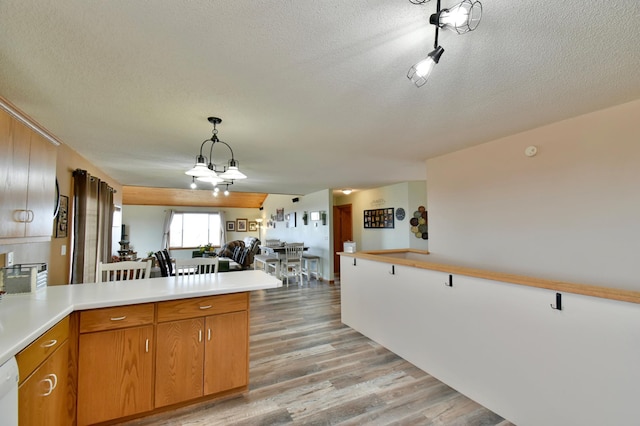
column 308, row 368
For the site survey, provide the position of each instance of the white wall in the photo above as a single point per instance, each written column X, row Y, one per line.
column 144, row 225
column 315, row 235
column 408, row 195
column 570, row 213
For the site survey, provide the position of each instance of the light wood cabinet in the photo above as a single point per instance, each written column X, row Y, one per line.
column 42, row 397
column 27, row 173
column 43, row 392
column 115, row 366
column 202, row 354
column 226, row 364
column 179, row 361
column 134, row 359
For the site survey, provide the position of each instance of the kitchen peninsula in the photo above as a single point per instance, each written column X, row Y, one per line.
column 130, row 344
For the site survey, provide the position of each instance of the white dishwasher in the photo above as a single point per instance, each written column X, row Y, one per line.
column 9, row 392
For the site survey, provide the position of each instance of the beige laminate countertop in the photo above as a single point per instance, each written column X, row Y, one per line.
column 25, row 317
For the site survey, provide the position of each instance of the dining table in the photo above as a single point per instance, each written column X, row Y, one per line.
column 280, row 253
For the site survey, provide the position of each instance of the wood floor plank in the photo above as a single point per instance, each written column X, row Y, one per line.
column 306, row 367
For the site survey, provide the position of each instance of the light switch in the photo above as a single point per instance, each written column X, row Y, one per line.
column 63, row 250
column 10, row 258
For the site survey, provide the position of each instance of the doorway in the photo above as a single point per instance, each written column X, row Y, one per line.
column 342, row 231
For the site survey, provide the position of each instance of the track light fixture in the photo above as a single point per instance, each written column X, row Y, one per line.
column 205, row 170
column 461, row 18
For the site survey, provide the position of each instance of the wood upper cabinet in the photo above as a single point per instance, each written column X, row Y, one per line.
column 27, row 178
column 41, row 188
column 115, row 366
column 15, row 142
column 42, row 397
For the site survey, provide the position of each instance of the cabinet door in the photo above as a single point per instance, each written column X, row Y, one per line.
column 179, row 361
column 15, row 140
column 41, row 188
column 115, row 374
column 226, row 364
column 42, row 398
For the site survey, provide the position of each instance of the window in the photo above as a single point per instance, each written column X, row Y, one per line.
column 194, row 229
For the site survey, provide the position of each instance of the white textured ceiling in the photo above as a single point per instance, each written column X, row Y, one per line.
column 313, row 94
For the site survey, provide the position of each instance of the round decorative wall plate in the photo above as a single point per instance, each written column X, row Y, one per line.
column 420, row 223
column 400, row 213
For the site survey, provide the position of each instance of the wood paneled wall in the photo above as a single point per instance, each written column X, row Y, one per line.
column 148, row 196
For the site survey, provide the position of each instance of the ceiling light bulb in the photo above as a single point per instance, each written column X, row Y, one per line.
column 461, row 18
column 347, row 191
column 216, row 190
column 419, row 73
column 215, row 194
column 193, row 183
column 226, row 192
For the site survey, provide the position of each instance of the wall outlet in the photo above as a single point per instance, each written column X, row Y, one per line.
column 10, row 258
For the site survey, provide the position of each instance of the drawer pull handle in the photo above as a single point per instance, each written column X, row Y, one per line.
column 209, row 334
column 118, row 318
column 52, row 381
column 205, row 307
column 49, row 344
column 146, row 346
column 199, row 335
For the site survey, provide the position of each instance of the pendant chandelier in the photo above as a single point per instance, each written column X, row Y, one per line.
column 206, row 169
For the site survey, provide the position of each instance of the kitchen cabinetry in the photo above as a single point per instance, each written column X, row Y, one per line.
column 115, row 362
column 202, row 347
column 27, row 173
column 43, row 389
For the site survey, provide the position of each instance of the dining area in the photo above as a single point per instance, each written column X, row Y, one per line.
column 287, row 260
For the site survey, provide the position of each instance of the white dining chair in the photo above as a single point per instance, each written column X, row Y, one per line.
column 123, row 271
column 291, row 262
column 203, row 267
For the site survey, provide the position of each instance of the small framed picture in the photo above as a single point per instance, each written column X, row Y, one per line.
column 62, row 217
column 253, row 226
column 231, row 225
column 241, row 225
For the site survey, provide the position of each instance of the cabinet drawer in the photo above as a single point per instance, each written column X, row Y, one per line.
column 34, row 354
column 116, row 317
column 202, row 306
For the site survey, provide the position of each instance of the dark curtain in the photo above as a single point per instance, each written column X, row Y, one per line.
column 92, row 221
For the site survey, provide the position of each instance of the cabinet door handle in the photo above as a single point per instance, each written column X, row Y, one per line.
column 205, row 307
column 20, row 216
column 52, row 381
column 118, row 318
column 199, row 335
column 30, row 216
column 146, row 346
column 49, row 344
column 209, row 334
